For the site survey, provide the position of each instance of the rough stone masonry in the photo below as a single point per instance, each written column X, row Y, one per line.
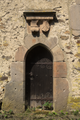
column 15, row 40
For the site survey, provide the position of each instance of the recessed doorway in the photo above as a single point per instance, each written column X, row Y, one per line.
column 39, row 76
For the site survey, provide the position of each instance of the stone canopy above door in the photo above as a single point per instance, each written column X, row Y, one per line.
column 38, row 25
column 39, row 20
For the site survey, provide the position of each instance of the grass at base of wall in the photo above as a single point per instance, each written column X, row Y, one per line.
column 38, row 114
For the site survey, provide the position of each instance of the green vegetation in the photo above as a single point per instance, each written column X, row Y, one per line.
column 38, row 114
column 5, row 116
column 10, row 111
column 28, row 109
column 76, row 112
column 54, row 113
column 61, row 112
column 47, row 105
column 66, row 113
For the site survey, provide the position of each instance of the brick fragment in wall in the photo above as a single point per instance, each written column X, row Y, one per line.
column 64, row 37
column 67, row 32
column 76, row 37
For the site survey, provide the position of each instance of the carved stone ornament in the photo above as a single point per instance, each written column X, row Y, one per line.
column 34, row 26
column 38, row 20
column 45, row 26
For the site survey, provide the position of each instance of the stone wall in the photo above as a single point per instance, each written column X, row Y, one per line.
column 74, row 99
column 13, row 32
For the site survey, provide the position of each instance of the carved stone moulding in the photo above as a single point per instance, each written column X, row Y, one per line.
column 39, row 20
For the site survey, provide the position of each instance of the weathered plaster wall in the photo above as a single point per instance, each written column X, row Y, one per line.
column 13, row 31
column 74, row 100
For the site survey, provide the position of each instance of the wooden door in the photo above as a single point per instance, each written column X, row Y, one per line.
column 39, row 77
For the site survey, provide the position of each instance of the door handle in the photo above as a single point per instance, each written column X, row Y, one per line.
column 31, row 74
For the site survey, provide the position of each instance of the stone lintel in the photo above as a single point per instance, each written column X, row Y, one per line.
column 39, row 18
column 39, row 14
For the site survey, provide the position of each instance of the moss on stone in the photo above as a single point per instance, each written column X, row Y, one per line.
column 74, row 102
column 75, row 99
column 0, row 75
column 75, row 105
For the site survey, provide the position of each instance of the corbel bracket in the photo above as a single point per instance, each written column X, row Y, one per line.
column 39, row 20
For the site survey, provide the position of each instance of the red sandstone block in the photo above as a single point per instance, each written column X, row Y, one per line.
column 60, row 69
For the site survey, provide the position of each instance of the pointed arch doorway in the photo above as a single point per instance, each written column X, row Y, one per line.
column 39, row 77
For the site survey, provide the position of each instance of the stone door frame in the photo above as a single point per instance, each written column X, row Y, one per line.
column 60, row 83
column 16, row 85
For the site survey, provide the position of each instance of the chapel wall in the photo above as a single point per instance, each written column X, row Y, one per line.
column 13, row 32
